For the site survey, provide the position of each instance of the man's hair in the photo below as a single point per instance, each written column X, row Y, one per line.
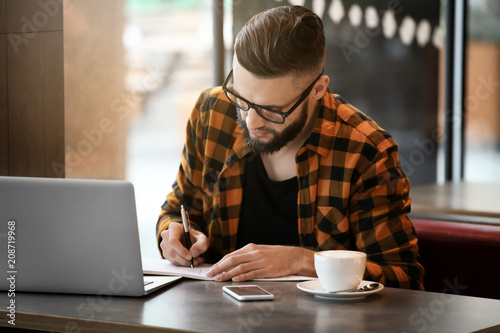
column 286, row 40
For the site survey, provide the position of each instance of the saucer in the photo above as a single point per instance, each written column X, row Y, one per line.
column 314, row 287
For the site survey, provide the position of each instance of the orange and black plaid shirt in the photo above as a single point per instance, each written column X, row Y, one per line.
column 353, row 193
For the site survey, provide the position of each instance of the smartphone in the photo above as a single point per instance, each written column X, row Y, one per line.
column 248, row 293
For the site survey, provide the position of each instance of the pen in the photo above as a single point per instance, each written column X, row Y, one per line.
column 185, row 224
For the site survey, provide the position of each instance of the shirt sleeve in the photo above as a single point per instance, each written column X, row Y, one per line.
column 380, row 225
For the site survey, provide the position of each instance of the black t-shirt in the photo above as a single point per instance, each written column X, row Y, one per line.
column 269, row 208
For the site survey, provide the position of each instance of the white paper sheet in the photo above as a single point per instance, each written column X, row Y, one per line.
column 156, row 266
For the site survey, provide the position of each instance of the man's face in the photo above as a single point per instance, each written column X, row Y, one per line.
column 268, row 140
column 277, row 94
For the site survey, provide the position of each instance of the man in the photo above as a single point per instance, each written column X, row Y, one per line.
column 276, row 167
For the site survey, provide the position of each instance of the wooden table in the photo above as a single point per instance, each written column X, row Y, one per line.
column 190, row 305
column 457, row 201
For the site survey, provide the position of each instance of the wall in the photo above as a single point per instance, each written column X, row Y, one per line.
column 4, row 116
column 96, row 102
column 63, row 106
column 31, row 88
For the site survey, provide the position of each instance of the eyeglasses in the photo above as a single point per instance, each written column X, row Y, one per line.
column 273, row 116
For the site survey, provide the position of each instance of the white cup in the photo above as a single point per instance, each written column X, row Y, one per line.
column 340, row 270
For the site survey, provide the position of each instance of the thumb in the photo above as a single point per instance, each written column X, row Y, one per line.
column 200, row 244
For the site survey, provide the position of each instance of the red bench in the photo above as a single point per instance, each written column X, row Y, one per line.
column 460, row 258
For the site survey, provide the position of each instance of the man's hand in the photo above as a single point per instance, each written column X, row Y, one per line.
column 263, row 261
column 173, row 246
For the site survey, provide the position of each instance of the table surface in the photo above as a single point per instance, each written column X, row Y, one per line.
column 467, row 201
column 190, row 305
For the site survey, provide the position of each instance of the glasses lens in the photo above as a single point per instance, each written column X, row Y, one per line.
column 269, row 115
column 238, row 102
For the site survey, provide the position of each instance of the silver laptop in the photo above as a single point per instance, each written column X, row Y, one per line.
column 71, row 236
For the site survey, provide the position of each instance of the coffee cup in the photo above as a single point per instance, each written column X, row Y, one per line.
column 340, row 270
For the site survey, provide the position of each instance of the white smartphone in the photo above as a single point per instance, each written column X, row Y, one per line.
column 248, row 293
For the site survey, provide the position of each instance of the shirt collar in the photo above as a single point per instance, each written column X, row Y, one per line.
column 325, row 127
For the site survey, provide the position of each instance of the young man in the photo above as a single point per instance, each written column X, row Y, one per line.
column 276, row 167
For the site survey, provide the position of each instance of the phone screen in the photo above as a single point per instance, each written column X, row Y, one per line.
column 250, row 292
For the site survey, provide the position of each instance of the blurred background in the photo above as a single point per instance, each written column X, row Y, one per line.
column 169, row 43
column 393, row 73
column 118, row 79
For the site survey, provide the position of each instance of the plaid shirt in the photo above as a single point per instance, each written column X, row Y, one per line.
column 353, row 193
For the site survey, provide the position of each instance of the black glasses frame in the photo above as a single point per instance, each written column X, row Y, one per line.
column 259, row 108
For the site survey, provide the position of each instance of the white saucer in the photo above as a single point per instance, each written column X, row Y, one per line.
column 314, row 287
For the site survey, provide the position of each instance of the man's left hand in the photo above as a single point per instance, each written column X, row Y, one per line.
column 263, row 261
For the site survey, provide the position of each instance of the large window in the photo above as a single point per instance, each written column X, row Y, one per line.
column 482, row 91
column 168, row 48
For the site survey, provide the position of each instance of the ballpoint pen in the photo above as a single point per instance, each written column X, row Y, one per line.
column 187, row 235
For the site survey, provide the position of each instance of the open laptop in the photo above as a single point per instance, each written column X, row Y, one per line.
column 71, row 236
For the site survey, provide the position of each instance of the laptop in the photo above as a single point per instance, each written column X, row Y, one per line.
column 71, row 236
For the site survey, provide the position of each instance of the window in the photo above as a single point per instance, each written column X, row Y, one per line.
column 482, row 91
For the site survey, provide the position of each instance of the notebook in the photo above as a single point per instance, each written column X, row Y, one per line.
column 71, row 236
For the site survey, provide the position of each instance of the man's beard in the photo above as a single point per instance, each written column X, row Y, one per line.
column 279, row 140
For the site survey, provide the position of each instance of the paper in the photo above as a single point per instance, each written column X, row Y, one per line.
column 156, row 266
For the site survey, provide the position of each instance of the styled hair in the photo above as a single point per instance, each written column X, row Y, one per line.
column 286, row 40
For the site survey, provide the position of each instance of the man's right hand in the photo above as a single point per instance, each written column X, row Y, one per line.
column 173, row 245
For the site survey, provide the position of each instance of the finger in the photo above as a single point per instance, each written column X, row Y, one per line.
column 241, row 272
column 179, row 253
column 200, row 243
column 217, row 268
column 165, row 244
column 226, row 264
column 254, row 274
column 174, row 250
column 233, row 259
column 198, row 261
